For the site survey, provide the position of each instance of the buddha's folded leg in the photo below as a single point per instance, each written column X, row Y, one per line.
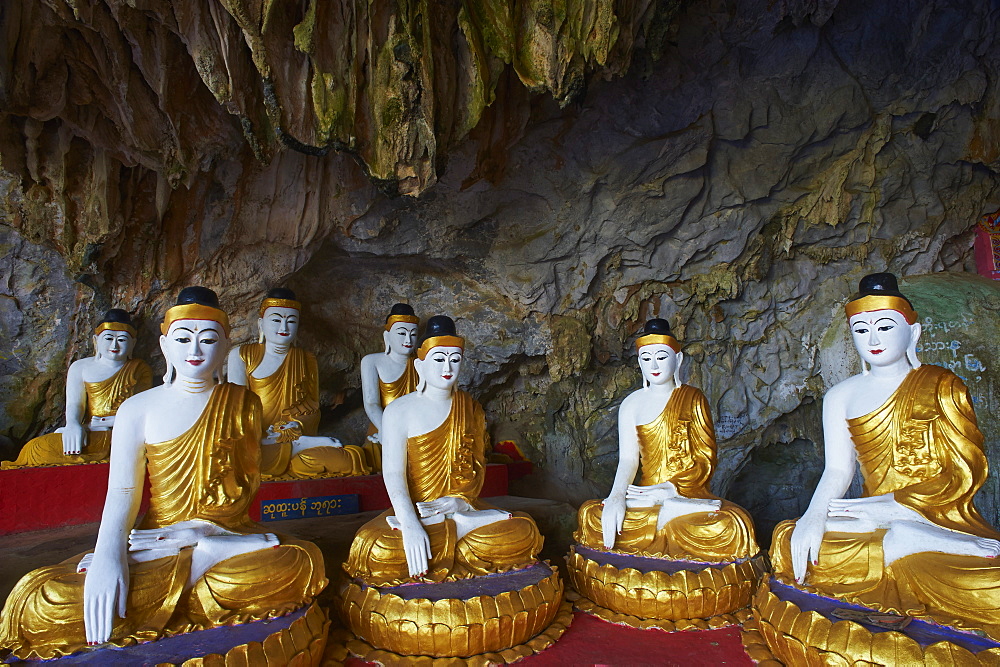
column 500, row 546
column 326, row 461
column 726, row 534
column 43, row 617
column 850, row 567
column 638, row 534
column 257, row 584
column 47, row 450
column 962, row 591
column 377, row 556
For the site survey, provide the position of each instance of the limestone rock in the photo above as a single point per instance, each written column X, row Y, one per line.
column 732, row 166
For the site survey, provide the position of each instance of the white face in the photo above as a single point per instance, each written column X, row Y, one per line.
column 195, row 348
column 440, row 367
column 280, row 325
column 114, row 345
column 881, row 336
column 657, row 363
column 402, row 338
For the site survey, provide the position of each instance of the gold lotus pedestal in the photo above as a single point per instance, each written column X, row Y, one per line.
column 497, row 618
column 669, row 594
column 792, row 626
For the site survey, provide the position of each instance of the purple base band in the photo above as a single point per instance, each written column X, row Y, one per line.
column 177, row 649
column 645, row 564
column 924, row 633
column 465, row 589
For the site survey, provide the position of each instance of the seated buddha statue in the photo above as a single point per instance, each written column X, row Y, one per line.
column 385, row 376
column 95, row 387
column 197, row 560
column 914, row 545
column 670, row 514
column 414, row 573
column 433, row 445
column 285, row 378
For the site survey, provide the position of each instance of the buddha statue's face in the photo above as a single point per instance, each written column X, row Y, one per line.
column 402, row 338
column 882, row 336
column 280, row 325
column 439, row 369
column 195, row 348
column 657, row 363
column 114, row 345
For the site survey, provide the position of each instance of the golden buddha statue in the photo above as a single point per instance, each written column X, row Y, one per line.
column 670, row 514
column 434, row 441
column 914, row 546
column 197, row 561
column 389, row 375
column 287, row 381
column 95, row 387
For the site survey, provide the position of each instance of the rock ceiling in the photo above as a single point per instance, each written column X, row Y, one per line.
column 549, row 173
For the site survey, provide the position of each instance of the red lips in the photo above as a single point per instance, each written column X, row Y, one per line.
column 196, row 362
column 877, row 351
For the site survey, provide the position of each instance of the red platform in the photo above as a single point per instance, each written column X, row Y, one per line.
column 591, row 642
column 57, row 496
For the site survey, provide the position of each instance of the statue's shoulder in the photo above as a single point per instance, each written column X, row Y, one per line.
column 691, row 393
column 937, row 372
column 141, row 402
column 80, row 365
column 371, row 359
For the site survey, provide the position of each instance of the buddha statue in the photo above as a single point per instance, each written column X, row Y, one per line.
column 438, row 530
column 95, row 387
column 670, row 515
column 914, row 546
column 197, row 560
column 385, row 376
column 286, row 379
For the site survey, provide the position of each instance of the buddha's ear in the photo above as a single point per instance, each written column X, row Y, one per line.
column 911, row 349
column 168, row 377
column 97, row 350
column 260, row 329
column 677, row 369
column 418, row 366
column 385, row 339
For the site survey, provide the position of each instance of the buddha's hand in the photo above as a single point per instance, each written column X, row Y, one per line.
column 105, row 591
column 443, row 505
column 807, row 537
column 304, row 442
column 374, row 439
column 416, row 545
column 153, row 543
column 73, row 438
column 102, row 423
column 876, row 511
column 612, row 519
column 650, row 496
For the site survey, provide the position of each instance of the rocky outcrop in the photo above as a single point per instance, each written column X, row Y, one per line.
column 734, row 167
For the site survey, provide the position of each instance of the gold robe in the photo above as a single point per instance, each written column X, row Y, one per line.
column 678, row 447
column 291, row 394
column 210, row 472
column 448, row 461
column 388, row 392
column 923, row 446
column 103, row 399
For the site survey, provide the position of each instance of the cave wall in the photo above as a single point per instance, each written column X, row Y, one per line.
column 549, row 174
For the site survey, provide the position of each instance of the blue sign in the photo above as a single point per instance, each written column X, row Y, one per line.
column 303, row 508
